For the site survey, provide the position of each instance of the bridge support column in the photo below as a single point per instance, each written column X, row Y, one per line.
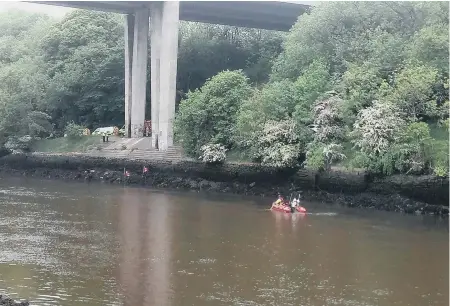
column 155, row 40
column 164, row 46
column 139, row 73
column 129, row 35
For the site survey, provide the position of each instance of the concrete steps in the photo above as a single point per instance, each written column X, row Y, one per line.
column 172, row 154
column 131, row 148
column 138, row 148
column 130, row 143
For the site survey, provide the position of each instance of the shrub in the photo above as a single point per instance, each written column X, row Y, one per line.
column 440, row 157
column 213, row 153
column 441, row 170
column 208, row 115
column 38, row 124
column 413, row 91
column 74, row 130
column 328, row 128
column 327, row 125
column 281, row 144
column 413, row 152
column 320, row 157
column 377, row 128
column 274, row 102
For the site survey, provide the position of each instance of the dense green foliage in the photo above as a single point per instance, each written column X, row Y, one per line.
column 55, row 72
column 73, row 130
column 208, row 115
column 360, row 82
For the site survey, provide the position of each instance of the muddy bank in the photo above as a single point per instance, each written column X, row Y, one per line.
column 6, row 301
column 409, row 194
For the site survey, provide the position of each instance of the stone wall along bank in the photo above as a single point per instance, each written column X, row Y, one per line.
column 405, row 193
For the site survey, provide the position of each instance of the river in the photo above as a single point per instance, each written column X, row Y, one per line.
column 92, row 244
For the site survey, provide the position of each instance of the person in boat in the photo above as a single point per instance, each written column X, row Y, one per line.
column 295, row 202
column 280, row 200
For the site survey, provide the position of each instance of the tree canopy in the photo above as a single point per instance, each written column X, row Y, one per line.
column 73, row 69
column 353, row 82
column 360, row 84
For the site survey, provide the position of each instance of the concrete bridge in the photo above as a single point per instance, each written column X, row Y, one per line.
column 164, row 17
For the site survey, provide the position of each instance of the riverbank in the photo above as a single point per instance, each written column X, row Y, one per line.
column 402, row 193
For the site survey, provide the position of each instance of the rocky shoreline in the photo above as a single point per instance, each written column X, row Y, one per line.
column 6, row 301
column 406, row 194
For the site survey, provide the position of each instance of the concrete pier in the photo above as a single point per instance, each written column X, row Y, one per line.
column 155, row 40
column 164, row 52
column 139, row 73
column 168, row 72
column 128, row 37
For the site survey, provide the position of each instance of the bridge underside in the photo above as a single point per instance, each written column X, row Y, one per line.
column 270, row 15
column 164, row 19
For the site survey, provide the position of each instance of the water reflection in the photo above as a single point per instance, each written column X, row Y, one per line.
column 145, row 237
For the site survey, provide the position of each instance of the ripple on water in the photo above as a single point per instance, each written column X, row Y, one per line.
column 346, row 302
column 206, row 261
column 330, row 214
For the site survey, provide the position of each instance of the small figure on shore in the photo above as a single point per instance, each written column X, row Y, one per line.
column 145, row 174
column 126, row 174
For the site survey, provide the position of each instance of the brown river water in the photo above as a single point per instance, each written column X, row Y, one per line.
column 93, row 244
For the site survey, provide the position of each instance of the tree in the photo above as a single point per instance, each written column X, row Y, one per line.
column 280, row 101
column 206, row 49
column 84, row 58
column 359, row 87
column 314, row 81
column 377, row 127
column 354, row 32
column 430, row 46
column 413, row 92
column 208, row 115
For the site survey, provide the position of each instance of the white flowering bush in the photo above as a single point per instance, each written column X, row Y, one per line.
column 333, row 153
column 327, row 124
column 213, row 153
column 328, row 128
column 281, row 144
column 377, row 128
column 390, row 144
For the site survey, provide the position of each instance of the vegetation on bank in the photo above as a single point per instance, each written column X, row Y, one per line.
column 64, row 144
column 55, row 72
column 364, row 84
column 358, row 84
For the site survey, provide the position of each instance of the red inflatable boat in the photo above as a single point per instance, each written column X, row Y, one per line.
column 287, row 209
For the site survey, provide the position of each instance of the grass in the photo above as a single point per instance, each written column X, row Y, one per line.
column 63, row 145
